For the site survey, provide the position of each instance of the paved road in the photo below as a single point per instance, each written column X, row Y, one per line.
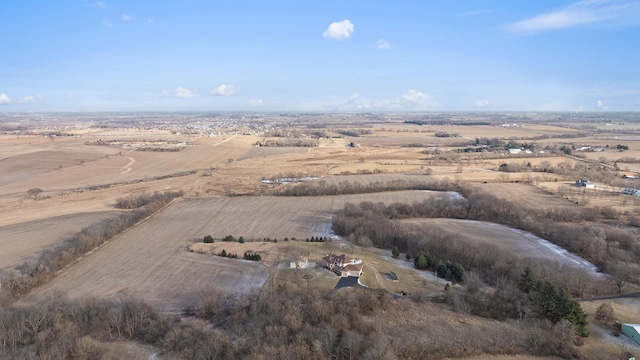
column 611, row 297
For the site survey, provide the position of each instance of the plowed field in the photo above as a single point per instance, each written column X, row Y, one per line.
column 24, row 241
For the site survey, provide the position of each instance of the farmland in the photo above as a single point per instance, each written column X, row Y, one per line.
column 81, row 172
column 21, row 242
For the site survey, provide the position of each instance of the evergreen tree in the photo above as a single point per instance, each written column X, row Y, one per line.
column 395, row 252
column 421, row 261
column 528, row 281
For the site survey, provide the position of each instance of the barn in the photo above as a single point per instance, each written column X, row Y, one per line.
column 632, row 331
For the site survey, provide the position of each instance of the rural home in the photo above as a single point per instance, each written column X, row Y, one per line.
column 343, row 265
column 632, row 331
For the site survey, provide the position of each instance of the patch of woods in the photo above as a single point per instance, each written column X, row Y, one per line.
column 285, row 142
column 450, row 270
column 614, row 249
column 347, row 187
column 353, row 132
column 287, row 322
column 34, row 273
column 551, row 285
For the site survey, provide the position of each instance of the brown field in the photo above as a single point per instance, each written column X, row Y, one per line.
column 527, row 194
column 264, row 151
column 71, row 164
column 23, row 241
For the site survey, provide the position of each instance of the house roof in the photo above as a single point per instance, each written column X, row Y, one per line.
column 636, row 327
column 352, row 267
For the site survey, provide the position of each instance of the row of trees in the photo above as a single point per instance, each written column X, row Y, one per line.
column 224, row 253
column 33, row 273
column 252, row 257
column 347, row 187
column 137, row 200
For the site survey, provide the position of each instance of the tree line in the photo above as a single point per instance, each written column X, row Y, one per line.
column 347, row 187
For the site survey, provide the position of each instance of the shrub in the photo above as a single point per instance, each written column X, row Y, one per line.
column 208, row 239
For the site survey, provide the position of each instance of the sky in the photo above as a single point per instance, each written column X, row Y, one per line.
column 319, row 55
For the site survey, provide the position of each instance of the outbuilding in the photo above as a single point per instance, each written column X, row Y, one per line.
column 632, row 331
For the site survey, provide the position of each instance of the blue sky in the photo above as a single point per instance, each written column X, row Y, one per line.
column 326, row 56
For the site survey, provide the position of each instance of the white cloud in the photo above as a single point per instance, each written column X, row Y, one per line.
column 165, row 92
column 126, row 17
column 382, row 44
column 339, row 30
column 150, row 21
column 224, row 90
column 602, row 105
column 255, row 103
column 415, row 98
column 100, row 4
column 30, row 99
column 4, row 99
column 356, row 103
column 184, row 93
column 107, row 23
column 579, row 13
column 481, row 103
column 411, row 100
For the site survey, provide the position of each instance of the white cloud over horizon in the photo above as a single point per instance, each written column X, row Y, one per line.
column 126, row 17
column 481, row 103
column 339, row 30
column 382, row 44
column 4, row 99
column 184, row 93
column 602, row 105
column 415, row 98
column 31, row 99
column 256, row 103
column 224, row 90
column 579, row 13
column 411, row 100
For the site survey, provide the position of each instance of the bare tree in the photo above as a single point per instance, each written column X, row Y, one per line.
column 35, row 192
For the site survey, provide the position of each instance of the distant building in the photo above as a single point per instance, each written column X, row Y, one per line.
column 585, row 183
